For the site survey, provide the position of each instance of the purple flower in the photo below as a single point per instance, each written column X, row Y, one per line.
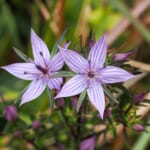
column 36, row 124
column 39, row 71
column 10, row 113
column 91, row 73
column 88, row 144
column 139, row 128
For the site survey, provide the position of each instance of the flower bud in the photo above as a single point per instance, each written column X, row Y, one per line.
column 17, row 134
column 91, row 43
column 107, row 113
column 10, row 113
column 74, row 102
column 138, row 98
column 88, row 143
column 36, row 124
column 121, row 56
column 139, row 128
column 60, row 102
column 60, row 147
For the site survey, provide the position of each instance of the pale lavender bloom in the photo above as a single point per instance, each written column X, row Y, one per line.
column 88, row 144
column 91, row 73
column 39, row 71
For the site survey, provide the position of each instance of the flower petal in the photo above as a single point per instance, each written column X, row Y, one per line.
column 98, row 52
column 40, row 50
column 73, row 87
column 25, row 71
column 75, row 61
column 56, row 62
column 96, row 96
column 35, row 89
column 55, row 83
column 113, row 74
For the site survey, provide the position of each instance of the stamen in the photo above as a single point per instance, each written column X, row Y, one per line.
column 43, row 70
column 91, row 74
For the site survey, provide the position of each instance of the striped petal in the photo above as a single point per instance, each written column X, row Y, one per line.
column 73, row 87
column 55, row 83
column 96, row 96
column 113, row 74
column 40, row 50
column 74, row 60
column 56, row 63
column 35, row 89
column 25, row 71
column 98, row 52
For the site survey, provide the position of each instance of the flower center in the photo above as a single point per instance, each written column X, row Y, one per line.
column 91, row 74
column 43, row 70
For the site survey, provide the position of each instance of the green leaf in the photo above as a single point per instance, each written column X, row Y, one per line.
column 108, row 93
column 64, row 74
column 51, row 99
column 59, row 41
column 22, row 55
column 81, row 99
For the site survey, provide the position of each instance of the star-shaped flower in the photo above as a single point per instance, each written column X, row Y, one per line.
column 91, row 73
column 39, row 71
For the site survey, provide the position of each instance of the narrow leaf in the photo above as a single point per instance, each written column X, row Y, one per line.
column 81, row 99
column 51, row 99
column 108, row 93
column 22, row 55
column 59, row 41
column 64, row 74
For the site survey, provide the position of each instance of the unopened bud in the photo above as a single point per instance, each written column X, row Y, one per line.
column 138, row 98
column 17, row 134
column 88, row 143
column 121, row 56
column 10, row 113
column 139, row 128
column 36, row 125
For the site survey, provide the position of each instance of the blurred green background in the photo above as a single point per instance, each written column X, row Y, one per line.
column 49, row 18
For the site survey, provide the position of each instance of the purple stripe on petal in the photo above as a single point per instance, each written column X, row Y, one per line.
column 34, row 90
column 75, row 61
column 113, row 74
column 98, row 52
column 73, row 87
column 40, row 50
column 55, row 83
column 25, row 71
column 96, row 96
column 56, row 62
